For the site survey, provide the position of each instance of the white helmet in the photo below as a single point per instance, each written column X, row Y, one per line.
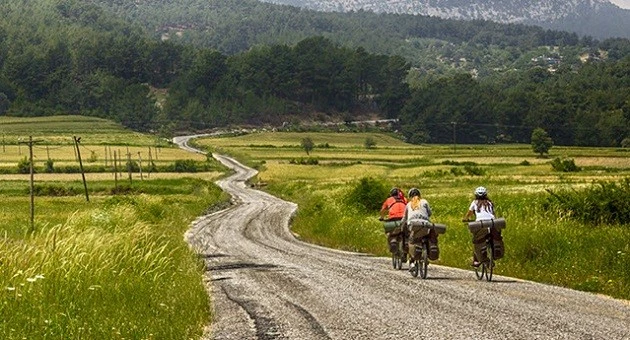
column 481, row 192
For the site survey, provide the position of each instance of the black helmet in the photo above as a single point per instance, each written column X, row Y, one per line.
column 414, row 192
column 394, row 192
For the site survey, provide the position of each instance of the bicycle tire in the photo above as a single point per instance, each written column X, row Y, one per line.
column 413, row 269
column 480, row 271
column 394, row 260
column 490, row 265
column 423, row 266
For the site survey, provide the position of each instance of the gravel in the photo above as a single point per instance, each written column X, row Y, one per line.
column 266, row 284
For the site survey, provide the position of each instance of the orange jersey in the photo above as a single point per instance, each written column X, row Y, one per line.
column 395, row 208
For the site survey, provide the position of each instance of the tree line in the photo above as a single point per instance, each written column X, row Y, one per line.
column 73, row 57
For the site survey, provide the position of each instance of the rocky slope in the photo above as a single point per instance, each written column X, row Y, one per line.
column 596, row 18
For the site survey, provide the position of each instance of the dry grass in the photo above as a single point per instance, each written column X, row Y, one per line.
column 209, row 176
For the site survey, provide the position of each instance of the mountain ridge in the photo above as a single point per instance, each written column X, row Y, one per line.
column 597, row 18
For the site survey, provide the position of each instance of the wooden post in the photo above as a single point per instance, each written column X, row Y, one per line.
column 32, row 186
column 115, row 172
column 119, row 163
column 32, row 181
column 129, row 166
column 76, row 143
column 150, row 163
column 140, row 165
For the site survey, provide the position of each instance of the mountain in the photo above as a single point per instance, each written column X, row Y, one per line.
column 597, row 18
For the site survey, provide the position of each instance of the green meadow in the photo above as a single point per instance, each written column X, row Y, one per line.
column 543, row 243
column 113, row 267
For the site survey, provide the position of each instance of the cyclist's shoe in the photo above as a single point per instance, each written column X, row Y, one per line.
column 412, row 264
column 476, row 264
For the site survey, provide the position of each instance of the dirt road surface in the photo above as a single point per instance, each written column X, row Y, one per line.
column 266, row 284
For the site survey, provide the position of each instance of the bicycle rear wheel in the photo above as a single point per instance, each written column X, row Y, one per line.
column 413, row 267
column 424, row 261
column 480, row 270
column 490, row 262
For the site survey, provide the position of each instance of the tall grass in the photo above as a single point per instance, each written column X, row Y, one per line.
column 117, row 268
column 540, row 246
column 544, row 245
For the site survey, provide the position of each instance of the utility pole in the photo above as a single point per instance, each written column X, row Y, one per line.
column 76, row 143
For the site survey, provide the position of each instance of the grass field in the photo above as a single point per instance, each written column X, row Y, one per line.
column 116, row 267
column 101, row 141
column 541, row 245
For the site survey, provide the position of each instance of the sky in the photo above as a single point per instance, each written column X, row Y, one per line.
column 622, row 3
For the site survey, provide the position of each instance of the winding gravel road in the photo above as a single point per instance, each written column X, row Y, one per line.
column 266, row 284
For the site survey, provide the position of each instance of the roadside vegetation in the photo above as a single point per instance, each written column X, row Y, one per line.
column 548, row 238
column 116, row 267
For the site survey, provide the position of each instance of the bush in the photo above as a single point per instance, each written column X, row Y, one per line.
column 601, row 203
column 50, row 166
column 368, row 194
column 185, row 165
column 24, row 166
column 304, row 161
column 564, row 165
column 132, row 166
column 474, row 170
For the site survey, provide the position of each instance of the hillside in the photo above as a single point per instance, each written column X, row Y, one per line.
column 494, row 82
column 437, row 46
column 597, row 18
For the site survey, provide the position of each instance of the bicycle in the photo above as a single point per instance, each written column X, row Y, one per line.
column 399, row 256
column 483, row 233
column 420, row 239
column 396, row 244
column 419, row 262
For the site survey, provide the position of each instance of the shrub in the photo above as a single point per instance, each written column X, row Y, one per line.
column 564, row 165
column 132, row 166
column 457, row 171
column 525, row 163
column 50, row 166
column 605, row 202
column 369, row 143
column 368, row 194
column 474, row 170
column 185, row 165
column 24, row 166
column 304, row 161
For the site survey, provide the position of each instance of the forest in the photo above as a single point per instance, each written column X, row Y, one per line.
column 182, row 71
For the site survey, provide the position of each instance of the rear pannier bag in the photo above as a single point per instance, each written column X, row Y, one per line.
column 479, row 230
column 418, row 231
column 434, row 251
